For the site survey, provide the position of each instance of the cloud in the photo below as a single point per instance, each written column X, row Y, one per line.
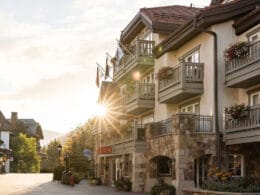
column 48, row 61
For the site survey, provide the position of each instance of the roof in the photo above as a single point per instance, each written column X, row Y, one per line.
column 175, row 14
column 5, row 125
column 204, row 19
column 159, row 20
column 32, row 127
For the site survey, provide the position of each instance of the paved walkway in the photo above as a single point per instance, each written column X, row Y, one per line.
column 42, row 184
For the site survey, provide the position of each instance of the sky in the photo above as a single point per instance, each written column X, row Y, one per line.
column 49, row 50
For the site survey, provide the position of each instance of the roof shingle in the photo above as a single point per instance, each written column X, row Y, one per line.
column 175, row 14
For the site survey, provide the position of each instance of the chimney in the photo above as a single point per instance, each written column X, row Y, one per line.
column 14, row 119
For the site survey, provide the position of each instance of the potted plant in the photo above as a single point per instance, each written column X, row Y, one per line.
column 236, row 50
column 127, row 185
column 237, row 111
column 165, row 73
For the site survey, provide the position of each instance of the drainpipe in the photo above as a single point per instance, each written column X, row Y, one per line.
column 216, row 102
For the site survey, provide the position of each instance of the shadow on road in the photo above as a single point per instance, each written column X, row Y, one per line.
column 55, row 188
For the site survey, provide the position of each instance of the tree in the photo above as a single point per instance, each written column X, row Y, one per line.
column 52, row 156
column 25, row 155
column 79, row 139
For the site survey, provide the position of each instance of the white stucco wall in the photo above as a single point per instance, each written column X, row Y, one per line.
column 205, row 42
column 5, row 136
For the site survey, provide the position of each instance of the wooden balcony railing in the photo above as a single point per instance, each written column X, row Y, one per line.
column 136, row 132
column 141, row 53
column 185, row 72
column 139, row 91
column 185, row 81
column 249, row 120
column 237, row 63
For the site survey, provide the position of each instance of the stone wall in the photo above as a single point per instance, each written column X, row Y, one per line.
column 195, row 191
column 138, row 174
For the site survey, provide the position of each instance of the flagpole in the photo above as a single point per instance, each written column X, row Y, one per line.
column 109, row 55
column 101, row 68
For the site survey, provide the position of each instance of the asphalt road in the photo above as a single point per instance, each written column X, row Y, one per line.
column 42, row 184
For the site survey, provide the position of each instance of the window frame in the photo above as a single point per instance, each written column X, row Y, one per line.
column 234, row 166
column 190, row 53
column 169, row 168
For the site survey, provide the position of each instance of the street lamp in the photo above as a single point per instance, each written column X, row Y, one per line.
column 66, row 158
column 59, row 149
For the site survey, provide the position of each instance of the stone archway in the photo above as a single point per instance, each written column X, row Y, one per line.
column 162, row 167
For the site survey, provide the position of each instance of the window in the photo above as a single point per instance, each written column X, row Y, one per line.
column 192, row 57
column 255, row 99
column 164, row 165
column 235, row 164
column 191, row 108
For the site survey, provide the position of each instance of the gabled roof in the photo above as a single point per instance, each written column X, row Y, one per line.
column 204, row 19
column 5, row 125
column 158, row 19
column 32, row 127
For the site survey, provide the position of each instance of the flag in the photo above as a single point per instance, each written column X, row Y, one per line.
column 97, row 78
column 107, row 68
column 119, row 55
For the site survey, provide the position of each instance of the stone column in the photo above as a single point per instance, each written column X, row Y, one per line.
column 182, row 124
column 138, row 172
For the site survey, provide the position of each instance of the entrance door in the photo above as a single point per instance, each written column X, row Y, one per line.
column 118, row 168
column 200, row 171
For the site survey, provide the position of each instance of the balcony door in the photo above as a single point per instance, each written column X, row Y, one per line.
column 255, row 99
column 191, row 108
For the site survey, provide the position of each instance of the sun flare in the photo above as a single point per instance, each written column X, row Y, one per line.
column 101, row 110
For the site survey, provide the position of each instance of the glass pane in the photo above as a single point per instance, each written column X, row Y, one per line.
column 197, row 109
column 190, row 109
column 255, row 100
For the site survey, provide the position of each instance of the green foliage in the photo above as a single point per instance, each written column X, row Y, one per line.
column 25, row 155
column 95, row 181
column 123, row 185
column 78, row 140
column 52, row 157
column 57, row 172
column 157, row 189
column 237, row 184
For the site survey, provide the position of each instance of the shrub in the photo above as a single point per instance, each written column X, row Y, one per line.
column 95, row 181
column 233, row 184
column 157, row 189
column 57, row 172
column 78, row 177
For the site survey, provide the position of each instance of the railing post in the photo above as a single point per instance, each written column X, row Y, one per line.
column 183, row 74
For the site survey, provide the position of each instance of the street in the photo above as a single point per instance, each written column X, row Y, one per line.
column 42, row 184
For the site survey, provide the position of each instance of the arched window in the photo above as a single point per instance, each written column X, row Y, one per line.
column 164, row 166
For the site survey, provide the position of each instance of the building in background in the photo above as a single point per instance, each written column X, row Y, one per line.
column 28, row 126
column 176, row 75
column 5, row 132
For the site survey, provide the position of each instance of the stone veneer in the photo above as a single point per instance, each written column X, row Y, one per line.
column 183, row 145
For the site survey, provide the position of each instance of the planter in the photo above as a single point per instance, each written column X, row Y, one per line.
column 165, row 73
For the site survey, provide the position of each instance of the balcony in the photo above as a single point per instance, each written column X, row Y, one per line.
column 244, row 72
column 141, row 60
column 139, row 98
column 131, row 139
column 161, row 128
column 245, row 129
column 196, row 124
column 185, row 82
